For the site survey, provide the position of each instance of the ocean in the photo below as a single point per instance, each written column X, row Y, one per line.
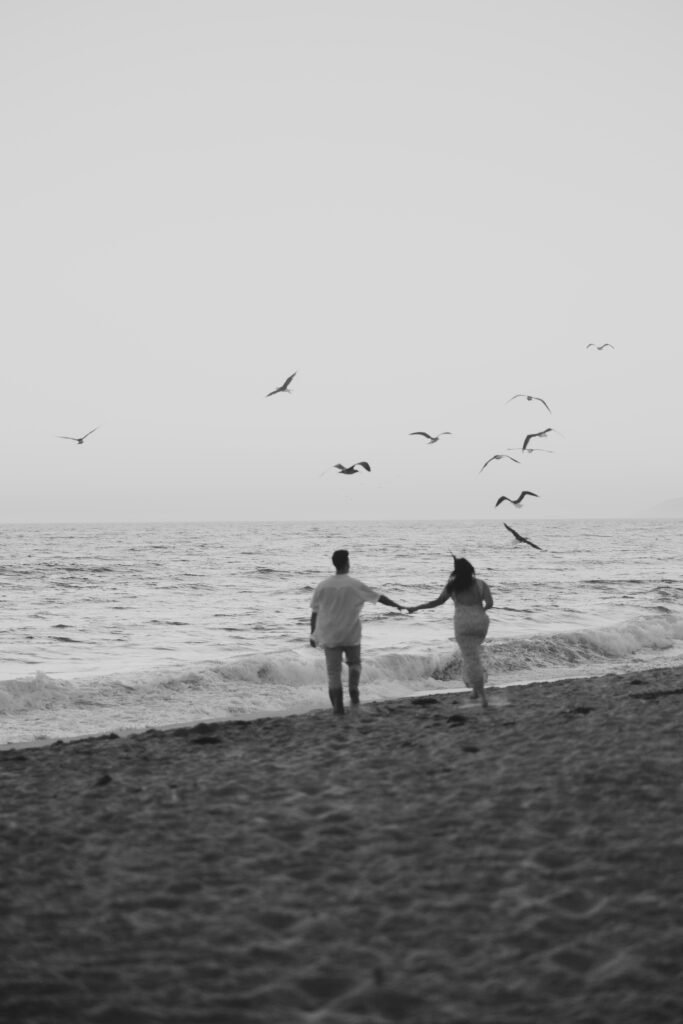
column 127, row 627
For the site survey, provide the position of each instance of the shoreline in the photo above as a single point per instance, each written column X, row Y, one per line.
column 422, row 860
column 457, row 689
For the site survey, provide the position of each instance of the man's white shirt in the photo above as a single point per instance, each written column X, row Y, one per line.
column 338, row 602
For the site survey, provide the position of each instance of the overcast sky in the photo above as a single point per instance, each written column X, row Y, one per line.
column 422, row 208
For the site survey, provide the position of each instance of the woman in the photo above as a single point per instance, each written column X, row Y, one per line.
column 471, row 598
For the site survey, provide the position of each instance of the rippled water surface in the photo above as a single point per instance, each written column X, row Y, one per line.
column 213, row 617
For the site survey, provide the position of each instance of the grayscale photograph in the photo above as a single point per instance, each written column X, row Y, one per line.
column 341, row 519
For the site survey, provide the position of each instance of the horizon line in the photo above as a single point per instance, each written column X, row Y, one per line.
column 336, row 519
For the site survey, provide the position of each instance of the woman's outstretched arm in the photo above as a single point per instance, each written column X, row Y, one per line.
column 441, row 599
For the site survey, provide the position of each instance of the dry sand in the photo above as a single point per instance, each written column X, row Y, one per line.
column 420, row 861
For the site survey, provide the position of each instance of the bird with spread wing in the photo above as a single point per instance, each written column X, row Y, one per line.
column 430, row 438
column 284, row 388
column 530, row 398
column 522, row 540
column 517, row 502
column 539, row 433
column 78, row 440
column 351, row 469
column 494, row 457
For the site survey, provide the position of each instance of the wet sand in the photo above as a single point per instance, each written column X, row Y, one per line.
column 420, row 860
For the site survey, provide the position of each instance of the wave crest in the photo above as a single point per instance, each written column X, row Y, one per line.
column 288, row 682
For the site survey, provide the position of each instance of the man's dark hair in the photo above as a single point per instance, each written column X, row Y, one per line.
column 340, row 558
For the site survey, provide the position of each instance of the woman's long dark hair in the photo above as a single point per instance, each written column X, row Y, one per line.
column 462, row 576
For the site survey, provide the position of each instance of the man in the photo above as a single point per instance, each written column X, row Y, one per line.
column 335, row 626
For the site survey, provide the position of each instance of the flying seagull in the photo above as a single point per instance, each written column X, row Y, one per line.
column 540, row 433
column 430, row 439
column 522, row 540
column 530, row 398
column 498, row 457
column 606, row 344
column 351, row 469
column 528, row 451
column 283, row 387
column 517, row 501
column 78, row 440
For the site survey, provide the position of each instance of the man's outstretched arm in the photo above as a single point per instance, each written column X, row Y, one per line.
column 387, row 600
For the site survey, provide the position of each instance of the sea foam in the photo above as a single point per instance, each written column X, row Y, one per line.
column 252, row 686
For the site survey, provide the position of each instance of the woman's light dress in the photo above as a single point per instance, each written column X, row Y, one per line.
column 471, row 624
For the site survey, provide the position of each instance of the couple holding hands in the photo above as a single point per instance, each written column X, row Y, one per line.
column 335, row 623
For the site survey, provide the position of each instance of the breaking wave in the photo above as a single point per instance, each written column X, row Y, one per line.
column 43, row 707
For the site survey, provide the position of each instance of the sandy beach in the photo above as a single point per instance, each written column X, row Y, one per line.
column 421, row 860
